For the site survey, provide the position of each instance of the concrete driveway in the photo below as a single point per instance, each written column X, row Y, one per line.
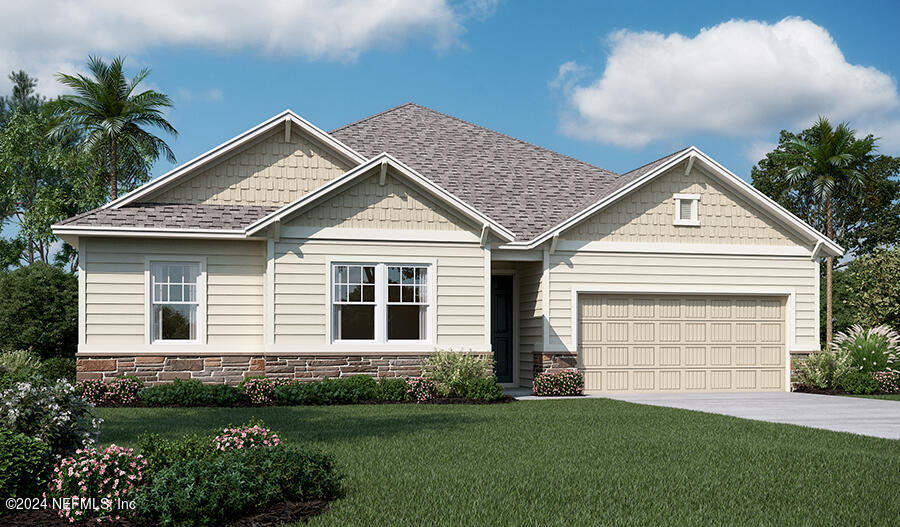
column 871, row 417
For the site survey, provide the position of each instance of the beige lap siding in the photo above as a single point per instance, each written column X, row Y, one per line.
column 680, row 273
column 115, row 301
column 302, row 275
column 531, row 322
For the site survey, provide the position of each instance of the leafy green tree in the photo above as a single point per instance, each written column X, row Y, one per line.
column 817, row 173
column 23, row 97
column 43, row 182
column 874, row 289
column 39, row 310
column 110, row 118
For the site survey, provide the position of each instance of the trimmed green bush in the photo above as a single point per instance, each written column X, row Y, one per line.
column 190, row 392
column 58, row 368
column 39, row 310
column 211, row 490
column 392, row 390
column 484, row 389
column 342, row 390
column 454, row 371
column 859, row 383
column 24, row 465
column 162, row 453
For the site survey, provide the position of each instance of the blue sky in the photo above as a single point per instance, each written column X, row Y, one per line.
column 626, row 96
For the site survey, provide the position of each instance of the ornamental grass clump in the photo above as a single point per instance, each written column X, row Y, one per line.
column 559, row 383
column 870, row 350
column 421, row 389
column 242, row 437
column 97, row 482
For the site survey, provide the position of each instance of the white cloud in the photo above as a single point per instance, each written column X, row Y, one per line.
column 758, row 150
column 46, row 36
column 739, row 78
column 211, row 95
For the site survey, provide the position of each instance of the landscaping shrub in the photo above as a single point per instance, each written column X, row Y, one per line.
column 161, row 453
column 394, row 389
column 190, row 392
column 214, row 490
column 421, row 389
column 341, row 390
column 121, row 391
column 58, row 368
column 453, row 371
column 39, row 310
column 107, row 475
column 20, row 363
column 823, row 369
column 870, row 350
column 559, row 383
column 53, row 413
column 24, row 465
column 247, row 436
column 888, row 381
column 484, row 389
column 858, row 383
column 261, row 390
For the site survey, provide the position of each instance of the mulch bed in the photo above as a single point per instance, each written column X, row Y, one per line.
column 818, row 391
column 245, row 404
column 272, row 515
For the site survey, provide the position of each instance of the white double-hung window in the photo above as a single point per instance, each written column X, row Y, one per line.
column 175, row 301
column 379, row 302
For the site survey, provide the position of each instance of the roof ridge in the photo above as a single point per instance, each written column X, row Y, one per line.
column 364, row 119
column 453, row 117
column 656, row 160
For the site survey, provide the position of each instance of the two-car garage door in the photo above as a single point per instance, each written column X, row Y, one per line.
column 682, row 343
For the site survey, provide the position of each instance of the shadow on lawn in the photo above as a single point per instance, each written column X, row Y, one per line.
column 308, row 423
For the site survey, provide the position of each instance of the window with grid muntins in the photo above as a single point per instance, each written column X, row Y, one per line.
column 174, row 300
column 354, row 302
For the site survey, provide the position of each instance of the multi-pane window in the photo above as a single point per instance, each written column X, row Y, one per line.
column 354, row 302
column 174, row 301
column 407, row 302
column 380, row 302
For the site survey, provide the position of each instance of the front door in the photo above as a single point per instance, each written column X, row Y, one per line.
column 502, row 326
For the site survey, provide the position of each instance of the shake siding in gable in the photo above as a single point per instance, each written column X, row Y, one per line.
column 115, row 291
column 270, row 172
column 647, row 215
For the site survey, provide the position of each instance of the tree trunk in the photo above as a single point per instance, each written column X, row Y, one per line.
column 114, row 167
column 829, row 266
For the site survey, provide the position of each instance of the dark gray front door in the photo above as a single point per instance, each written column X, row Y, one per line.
column 502, row 326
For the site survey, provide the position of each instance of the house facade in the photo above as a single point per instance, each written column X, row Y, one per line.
column 292, row 252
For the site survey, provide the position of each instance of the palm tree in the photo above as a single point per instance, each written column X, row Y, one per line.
column 830, row 158
column 109, row 119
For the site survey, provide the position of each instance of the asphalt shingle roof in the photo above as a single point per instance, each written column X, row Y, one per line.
column 525, row 188
column 171, row 216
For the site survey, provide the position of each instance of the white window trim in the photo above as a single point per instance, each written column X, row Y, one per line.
column 694, row 220
column 202, row 301
column 381, row 340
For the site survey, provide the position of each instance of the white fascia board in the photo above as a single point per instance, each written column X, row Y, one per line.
column 738, row 184
column 361, row 170
column 230, row 146
column 152, row 233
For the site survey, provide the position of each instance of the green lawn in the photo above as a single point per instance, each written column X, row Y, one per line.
column 889, row 396
column 569, row 462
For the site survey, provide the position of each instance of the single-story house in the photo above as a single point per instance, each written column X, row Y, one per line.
column 295, row 252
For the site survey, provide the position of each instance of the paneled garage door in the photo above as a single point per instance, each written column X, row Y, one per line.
column 682, row 343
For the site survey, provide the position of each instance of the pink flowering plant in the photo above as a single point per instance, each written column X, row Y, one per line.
column 122, row 391
column 95, row 481
column 559, row 383
column 261, row 390
column 247, row 436
column 888, row 381
column 421, row 389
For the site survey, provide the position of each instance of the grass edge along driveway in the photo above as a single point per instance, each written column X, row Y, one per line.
column 568, row 462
